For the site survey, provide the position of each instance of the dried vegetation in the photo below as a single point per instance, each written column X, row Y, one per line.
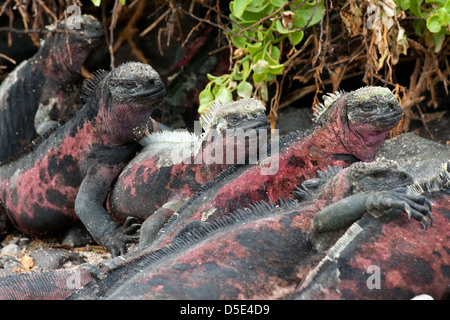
column 353, row 39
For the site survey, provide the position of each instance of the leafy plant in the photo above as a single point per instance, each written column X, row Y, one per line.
column 433, row 16
column 97, row 2
column 259, row 30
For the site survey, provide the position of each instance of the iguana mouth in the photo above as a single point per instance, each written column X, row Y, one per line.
column 390, row 119
column 262, row 124
column 152, row 93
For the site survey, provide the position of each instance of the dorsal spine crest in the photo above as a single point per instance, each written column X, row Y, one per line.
column 328, row 100
column 209, row 115
column 169, row 137
column 91, row 83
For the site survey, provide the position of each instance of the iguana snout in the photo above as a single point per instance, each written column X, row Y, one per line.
column 136, row 83
column 375, row 108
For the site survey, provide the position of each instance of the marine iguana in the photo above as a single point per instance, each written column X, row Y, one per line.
column 350, row 127
column 379, row 260
column 46, row 86
column 173, row 165
column 68, row 175
column 264, row 251
column 261, row 251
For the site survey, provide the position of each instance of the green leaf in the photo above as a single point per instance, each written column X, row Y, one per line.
column 238, row 7
column 415, row 8
column 253, row 48
column 257, row 78
column 238, row 41
column 264, row 8
column 277, row 3
column 297, row 37
column 447, row 6
column 260, row 66
column 280, row 27
column 419, row 27
column 224, row 95
column 439, row 2
column 405, row 4
column 264, row 92
column 205, row 97
column 96, row 2
column 123, row 1
column 276, row 69
column 438, row 39
column 443, row 16
column 275, row 53
column 433, row 23
column 303, row 15
column 244, row 89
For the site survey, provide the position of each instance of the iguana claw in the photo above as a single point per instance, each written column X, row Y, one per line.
column 416, row 206
column 116, row 240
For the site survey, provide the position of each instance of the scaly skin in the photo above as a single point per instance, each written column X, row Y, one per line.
column 351, row 129
column 258, row 253
column 68, row 176
column 49, row 82
column 251, row 254
column 158, row 175
column 379, row 260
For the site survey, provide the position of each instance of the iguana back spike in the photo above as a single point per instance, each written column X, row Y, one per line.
column 168, row 137
column 328, row 100
column 208, row 116
column 91, row 83
column 437, row 183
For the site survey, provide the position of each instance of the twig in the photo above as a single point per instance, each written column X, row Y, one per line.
column 8, row 58
column 4, row 7
column 217, row 25
column 116, row 9
column 55, row 18
column 422, row 117
column 155, row 23
column 67, row 39
column 266, row 17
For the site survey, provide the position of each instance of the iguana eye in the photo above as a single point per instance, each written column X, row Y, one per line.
column 233, row 119
column 366, row 107
column 129, row 85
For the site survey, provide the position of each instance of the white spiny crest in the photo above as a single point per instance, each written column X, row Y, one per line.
column 166, row 136
column 436, row 183
column 209, row 116
column 328, row 100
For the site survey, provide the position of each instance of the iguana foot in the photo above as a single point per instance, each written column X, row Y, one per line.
column 416, row 206
column 115, row 240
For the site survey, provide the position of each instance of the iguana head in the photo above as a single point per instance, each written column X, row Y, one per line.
column 126, row 97
column 359, row 177
column 361, row 118
column 237, row 123
column 377, row 176
column 72, row 47
column 243, row 114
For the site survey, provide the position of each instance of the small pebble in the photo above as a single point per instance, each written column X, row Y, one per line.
column 10, row 249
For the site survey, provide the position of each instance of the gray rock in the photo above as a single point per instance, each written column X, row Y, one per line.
column 291, row 119
column 10, row 249
column 9, row 263
column 53, row 258
column 418, row 156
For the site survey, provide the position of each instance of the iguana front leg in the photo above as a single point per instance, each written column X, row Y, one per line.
column 89, row 208
column 350, row 209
